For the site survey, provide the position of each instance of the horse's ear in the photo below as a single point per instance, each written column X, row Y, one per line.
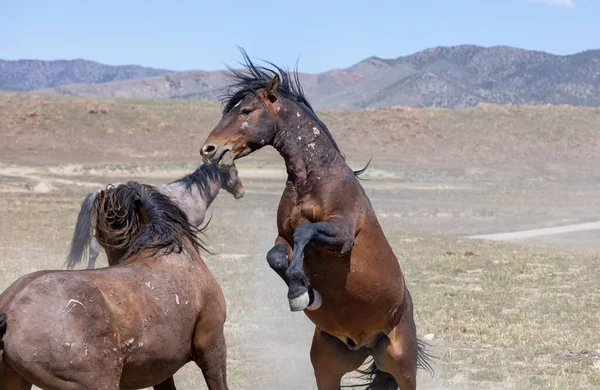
column 271, row 88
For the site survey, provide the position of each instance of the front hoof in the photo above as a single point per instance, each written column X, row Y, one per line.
column 315, row 300
column 300, row 303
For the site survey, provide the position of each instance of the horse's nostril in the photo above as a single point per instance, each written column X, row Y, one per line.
column 208, row 150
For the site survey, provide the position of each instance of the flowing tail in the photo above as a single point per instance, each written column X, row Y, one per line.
column 379, row 380
column 363, row 170
column 83, row 231
column 2, row 329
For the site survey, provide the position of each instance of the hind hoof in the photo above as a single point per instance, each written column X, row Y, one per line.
column 300, row 303
column 315, row 300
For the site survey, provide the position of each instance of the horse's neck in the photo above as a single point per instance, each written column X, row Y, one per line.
column 193, row 197
column 305, row 146
column 208, row 198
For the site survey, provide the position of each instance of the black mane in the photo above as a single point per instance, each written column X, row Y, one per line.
column 253, row 77
column 201, row 178
column 118, row 214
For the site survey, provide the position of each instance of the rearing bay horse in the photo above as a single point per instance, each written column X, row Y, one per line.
column 331, row 251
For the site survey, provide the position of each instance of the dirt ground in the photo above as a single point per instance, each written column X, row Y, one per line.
column 497, row 315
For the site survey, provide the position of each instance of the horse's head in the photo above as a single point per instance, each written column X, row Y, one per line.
column 248, row 124
column 231, row 182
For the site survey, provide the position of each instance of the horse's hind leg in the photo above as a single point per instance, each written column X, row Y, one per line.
column 95, row 249
column 397, row 354
column 331, row 359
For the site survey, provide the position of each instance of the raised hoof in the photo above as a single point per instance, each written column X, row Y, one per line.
column 309, row 300
column 315, row 300
column 300, row 303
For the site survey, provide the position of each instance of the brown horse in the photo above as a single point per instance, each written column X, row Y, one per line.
column 128, row 326
column 331, row 250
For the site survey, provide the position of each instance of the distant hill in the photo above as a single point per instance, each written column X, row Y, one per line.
column 453, row 77
column 487, row 141
column 28, row 75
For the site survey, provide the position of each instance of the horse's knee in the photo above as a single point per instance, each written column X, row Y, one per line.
column 397, row 355
column 277, row 258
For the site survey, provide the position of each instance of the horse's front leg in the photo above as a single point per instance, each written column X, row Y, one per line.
column 279, row 257
column 333, row 235
column 279, row 260
column 95, row 249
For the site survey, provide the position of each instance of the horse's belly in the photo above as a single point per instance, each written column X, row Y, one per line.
column 360, row 299
column 152, row 371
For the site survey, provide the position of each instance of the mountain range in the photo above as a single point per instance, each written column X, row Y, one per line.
column 452, row 77
column 29, row 75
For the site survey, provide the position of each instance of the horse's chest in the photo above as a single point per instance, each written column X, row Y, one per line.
column 299, row 214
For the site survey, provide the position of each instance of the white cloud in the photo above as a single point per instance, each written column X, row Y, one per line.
column 560, row 3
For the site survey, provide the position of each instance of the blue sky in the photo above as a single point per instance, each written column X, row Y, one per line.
column 325, row 34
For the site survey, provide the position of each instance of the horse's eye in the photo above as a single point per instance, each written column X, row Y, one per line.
column 246, row 111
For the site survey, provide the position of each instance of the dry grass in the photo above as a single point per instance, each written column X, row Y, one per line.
column 507, row 316
column 486, row 141
column 43, row 128
column 506, row 313
column 502, row 316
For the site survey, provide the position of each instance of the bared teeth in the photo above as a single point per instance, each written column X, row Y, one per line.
column 226, row 159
